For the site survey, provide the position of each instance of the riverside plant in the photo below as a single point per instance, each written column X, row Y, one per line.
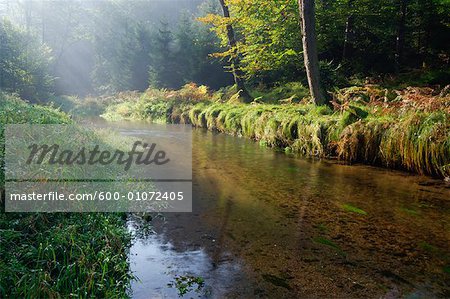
column 59, row 255
column 367, row 125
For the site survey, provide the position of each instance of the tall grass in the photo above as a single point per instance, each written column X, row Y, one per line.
column 63, row 255
column 89, row 106
column 368, row 125
column 58, row 255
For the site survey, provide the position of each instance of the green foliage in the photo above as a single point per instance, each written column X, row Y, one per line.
column 104, row 47
column 420, row 78
column 270, row 42
column 163, row 72
column 413, row 137
column 58, row 255
column 265, row 49
column 14, row 110
column 90, row 106
column 62, row 255
column 24, row 63
column 135, row 52
column 327, row 242
column 291, row 92
column 352, row 114
column 187, row 283
column 419, row 143
column 351, row 208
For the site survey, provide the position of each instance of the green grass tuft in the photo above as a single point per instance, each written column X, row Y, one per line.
column 414, row 137
column 327, row 242
column 59, row 255
column 351, row 208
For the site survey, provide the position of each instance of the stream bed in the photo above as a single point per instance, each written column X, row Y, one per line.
column 270, row 225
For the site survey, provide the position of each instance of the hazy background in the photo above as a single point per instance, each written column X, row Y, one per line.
column 105, row 46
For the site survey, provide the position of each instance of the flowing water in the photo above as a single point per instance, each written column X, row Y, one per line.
column 266, row 224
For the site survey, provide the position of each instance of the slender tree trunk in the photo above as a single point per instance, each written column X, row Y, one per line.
column 43, row 18
column 400, row 34
column 348, row 35
column 429, row 13
column 2, row 46
column 307, row 16
column 28, row 15
column 235, row 61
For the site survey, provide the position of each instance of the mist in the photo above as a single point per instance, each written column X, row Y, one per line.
column 98, row 47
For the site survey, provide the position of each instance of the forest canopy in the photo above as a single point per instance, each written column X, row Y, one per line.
column 96, row 47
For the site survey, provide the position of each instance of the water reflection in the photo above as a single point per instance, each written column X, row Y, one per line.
column 265, row 224
column 156, row 262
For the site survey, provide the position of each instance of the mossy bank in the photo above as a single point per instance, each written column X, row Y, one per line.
column 407, row 129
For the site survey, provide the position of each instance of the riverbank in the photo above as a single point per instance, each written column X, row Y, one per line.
column 407, row 129
column 58, row 254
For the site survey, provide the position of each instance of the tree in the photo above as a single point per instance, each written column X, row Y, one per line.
column 164, row 71
column 400, row 34
column 235, row 61
column 270, row 49
column 24, row 64
column 348, row 37
column 194, row 44
column 311, row 60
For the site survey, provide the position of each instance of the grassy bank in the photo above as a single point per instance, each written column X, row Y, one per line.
column 89, row 106
column 58, row 255
column 407, row 129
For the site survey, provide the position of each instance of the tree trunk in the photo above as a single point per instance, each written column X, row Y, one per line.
column 2, row 46
column 28, row 15
column 348, row 37
column 43, row 18
column 428, row 15
column 307, row 16
column 235, row 61
column 400, row 34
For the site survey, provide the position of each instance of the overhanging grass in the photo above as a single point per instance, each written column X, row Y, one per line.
column 410, row 138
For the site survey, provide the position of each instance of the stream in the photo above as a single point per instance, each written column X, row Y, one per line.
column 270, row 225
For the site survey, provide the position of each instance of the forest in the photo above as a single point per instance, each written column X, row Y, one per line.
column 101, row 47
column 328, row 119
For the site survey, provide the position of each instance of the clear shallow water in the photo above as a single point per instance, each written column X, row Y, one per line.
column 265, row 224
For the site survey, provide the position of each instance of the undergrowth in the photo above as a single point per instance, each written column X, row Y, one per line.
column 58, row 255
column 89, row 106
column 407, row 129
